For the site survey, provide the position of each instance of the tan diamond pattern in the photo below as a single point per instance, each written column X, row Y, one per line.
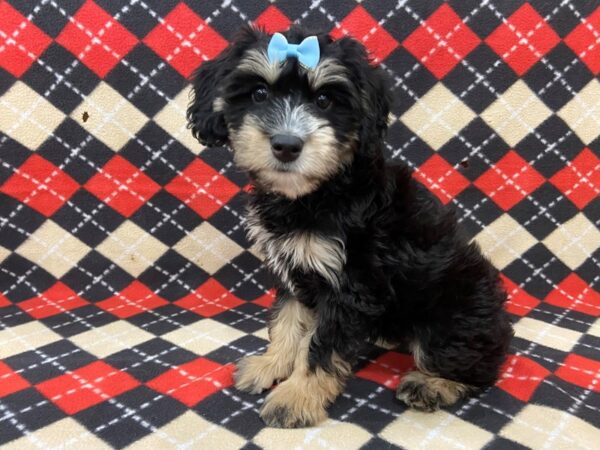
column 535, row 424
column 546, row 334
column 132, row 248
column 582, row 113
column 412, row 430
column 53, row 248
column 208, row 248
column 110, row 117
column 111, row 338
column 25, row 337
column 172, row 119
column 190, row 431
column 203, row 336
column 27, row 117
column 4, row 253
column 516, row 113
column 438, row 116
column 65, row 434
column 504, row 240
column 574, row 241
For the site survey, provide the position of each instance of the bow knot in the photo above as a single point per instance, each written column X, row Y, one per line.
column 307, row 52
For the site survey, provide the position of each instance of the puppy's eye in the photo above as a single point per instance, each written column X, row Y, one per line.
column 260, row 94
column 323, row 101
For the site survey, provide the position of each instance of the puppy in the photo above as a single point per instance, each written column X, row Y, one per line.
column 360, row 250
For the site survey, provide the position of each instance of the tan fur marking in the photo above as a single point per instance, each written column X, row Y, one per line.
column 327, row 71
column 289, row 324
column 325, row 256
column 419, row 357
column 427, row 393
column 311, row 251
column 257, row 62
column 320, row 158
column 290, row 184
column 218, row 104
column 300, row 401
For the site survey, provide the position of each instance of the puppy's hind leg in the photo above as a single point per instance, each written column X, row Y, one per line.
column 425, row 391
column 429, row 393
column 290, row 323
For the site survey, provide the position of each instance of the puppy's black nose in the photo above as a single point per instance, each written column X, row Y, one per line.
column 286, row 147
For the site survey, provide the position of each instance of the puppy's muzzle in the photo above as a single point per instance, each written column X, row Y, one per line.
column 286, row 147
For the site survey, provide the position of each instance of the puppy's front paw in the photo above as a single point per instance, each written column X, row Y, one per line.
column 289, row 406
column 254, row 374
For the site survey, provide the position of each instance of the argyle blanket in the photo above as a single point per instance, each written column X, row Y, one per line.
column 128, row 290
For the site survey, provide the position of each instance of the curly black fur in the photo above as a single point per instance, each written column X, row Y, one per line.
column 410, row 273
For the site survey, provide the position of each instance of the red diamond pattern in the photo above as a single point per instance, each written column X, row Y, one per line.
column 87, row 386
column 574, row 293
column 442, row 41
column 4, row 301
column 361, row 25
column 521, row 376
column 184, row 34
column 209, row 299
column 266, row 300
column 441, row 178
column 133, row 300
column 580, row 371
column 519, row 302
column 214, row 189
column 387, row 369
column 583, row 40
column 59, row 298
column 40, row 184
column 522, row 180
column 523, row 40
column 576, row 181
column 122, row 185
column 184, row 40
column 273, row 20
column 194, row 381
column 21, row 42
column 10, row 381
column 96, row 38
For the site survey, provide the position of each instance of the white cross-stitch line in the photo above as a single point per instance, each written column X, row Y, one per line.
column 85, row 384
column 547, row 86
column 584, row 250
column 536, row 271
column 154, row 358
column 189, row 288
column 180, row 206
column 511, row 301
column 11, row 417
column 476, row 150
column 532, row 426
column 542, row 210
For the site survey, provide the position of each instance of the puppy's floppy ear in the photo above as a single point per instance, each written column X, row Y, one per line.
column 375, row 92
column 204, row 114
column 378, row 100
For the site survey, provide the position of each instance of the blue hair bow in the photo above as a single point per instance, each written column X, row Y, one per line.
column 307, row 52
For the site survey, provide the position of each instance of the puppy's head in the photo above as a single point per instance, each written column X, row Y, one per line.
column 289, row 126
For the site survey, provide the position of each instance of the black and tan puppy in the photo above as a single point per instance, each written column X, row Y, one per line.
column 360, row 249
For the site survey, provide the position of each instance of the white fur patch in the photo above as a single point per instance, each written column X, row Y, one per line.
column 257, row 62
column 328, row 71
column 305, row 250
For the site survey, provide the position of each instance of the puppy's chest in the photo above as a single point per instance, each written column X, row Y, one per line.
column 305, row 250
